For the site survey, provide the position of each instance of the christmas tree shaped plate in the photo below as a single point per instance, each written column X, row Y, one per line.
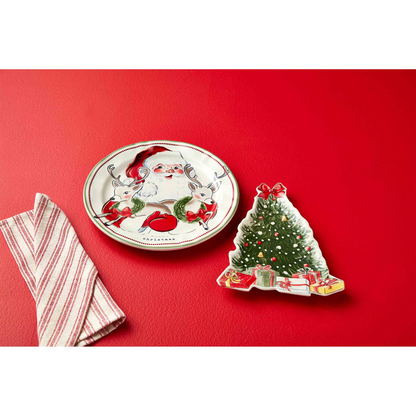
column 276, row 250
column 161, row 195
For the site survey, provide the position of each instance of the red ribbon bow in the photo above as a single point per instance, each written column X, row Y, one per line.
column 278, row 191
column 125, row 212
column 260, row 267
column 327, row 282
column 190, row 216
column 287, row 284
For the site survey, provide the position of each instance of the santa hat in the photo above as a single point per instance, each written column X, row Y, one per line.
column 150, row 157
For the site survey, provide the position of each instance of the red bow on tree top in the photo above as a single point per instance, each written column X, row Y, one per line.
column 278, row 191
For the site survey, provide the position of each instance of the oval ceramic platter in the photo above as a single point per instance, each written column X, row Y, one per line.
column 161, row 195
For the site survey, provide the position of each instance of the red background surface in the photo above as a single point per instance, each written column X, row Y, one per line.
column 343, row 142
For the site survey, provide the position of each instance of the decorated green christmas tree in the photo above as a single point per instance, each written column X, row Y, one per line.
column 275, row 250
column 275, row 234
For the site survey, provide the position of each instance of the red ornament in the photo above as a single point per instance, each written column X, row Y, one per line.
column 258, row 242
column 273, row 258
column 261, row 218
column 306, row 265
column 276, row 234
column 274, row 198
column 308, row 248
column 246, row 244
column 299, row 237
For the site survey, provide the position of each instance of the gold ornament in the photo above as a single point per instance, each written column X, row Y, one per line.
column 284, row 218
column 261, row 254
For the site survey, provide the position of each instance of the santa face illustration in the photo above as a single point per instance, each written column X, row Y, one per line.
column 169, row 170
column 166, row 180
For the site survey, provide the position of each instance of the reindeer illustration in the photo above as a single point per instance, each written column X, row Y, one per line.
column 201, row 195
column 124, row 205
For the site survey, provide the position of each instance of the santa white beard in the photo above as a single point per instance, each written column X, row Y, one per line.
column 157, row 188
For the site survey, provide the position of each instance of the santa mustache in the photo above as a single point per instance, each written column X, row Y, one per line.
column 161, row 175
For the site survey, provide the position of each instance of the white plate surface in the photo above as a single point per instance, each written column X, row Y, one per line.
column 166, row 184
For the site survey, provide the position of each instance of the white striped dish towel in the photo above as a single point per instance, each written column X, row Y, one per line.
column 72, row 305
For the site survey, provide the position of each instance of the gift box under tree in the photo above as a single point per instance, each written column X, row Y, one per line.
column 327, row 286
column 312, row 276
column 293, row 285
column 235, row 280
column 265, row 276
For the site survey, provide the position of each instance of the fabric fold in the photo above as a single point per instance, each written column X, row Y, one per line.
column 73, row 307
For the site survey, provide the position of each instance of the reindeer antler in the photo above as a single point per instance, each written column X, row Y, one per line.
column 110, row 169
column 136, row 181
column 226, row 172
column 216, row 178
column 188, row 169
column 146, row 172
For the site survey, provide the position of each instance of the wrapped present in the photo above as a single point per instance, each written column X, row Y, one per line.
column 235, row 280
column 294, row 285
column 311, row 275
column 303, row 274
column 314, row 277
column 265, row 276
column 328, row 286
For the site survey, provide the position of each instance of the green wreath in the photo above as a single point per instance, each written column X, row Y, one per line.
column 138, row 205
column 180, row 212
